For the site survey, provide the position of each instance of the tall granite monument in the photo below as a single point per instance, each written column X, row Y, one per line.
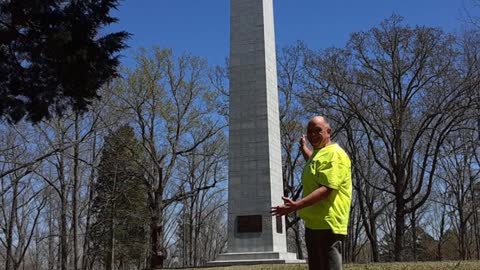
column 255, row 167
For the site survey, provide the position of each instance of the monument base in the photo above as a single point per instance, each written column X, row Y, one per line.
column 249, row 258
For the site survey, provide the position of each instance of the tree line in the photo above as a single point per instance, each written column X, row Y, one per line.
column 139, row 180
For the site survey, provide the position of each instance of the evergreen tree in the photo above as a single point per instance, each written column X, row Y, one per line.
column 52, row 56
column 119, row 233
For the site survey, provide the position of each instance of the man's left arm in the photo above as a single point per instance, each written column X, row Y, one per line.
column 290, row 205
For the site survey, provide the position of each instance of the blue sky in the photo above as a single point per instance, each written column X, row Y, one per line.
column 201, row 27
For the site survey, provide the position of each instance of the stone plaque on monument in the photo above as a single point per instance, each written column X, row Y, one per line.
column 249, row 224
column 255, row 166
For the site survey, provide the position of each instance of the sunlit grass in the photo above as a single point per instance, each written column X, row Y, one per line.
column 451, row 265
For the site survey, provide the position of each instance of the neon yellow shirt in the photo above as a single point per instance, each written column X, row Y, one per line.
column 330, row 167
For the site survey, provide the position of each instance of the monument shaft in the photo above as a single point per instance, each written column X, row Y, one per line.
column 255, row 169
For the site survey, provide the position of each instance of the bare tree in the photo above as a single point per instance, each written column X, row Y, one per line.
column 409, row 88
column 470, row 14
column 21, row 200
column 366, row 177
column 458, row 172
column 200, row 211
column 64, row 172
column 173, row 109
column 439, row 222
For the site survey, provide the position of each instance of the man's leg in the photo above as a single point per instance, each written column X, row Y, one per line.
column 316, row 257
column 324, row 249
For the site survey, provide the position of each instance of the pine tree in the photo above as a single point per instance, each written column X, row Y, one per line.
column 119, row 233
column 53, row 57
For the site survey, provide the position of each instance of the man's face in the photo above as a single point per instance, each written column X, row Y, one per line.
column 318, row 133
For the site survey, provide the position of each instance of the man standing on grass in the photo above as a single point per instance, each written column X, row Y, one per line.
column 327, row 193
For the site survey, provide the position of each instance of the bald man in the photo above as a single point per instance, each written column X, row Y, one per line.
column 327, row 193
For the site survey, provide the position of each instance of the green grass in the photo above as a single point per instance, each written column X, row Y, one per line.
column 452, row 265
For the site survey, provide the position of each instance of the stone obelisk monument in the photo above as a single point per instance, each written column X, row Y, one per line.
column 255, row 167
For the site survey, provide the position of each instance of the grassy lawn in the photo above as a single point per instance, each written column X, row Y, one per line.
column 471, row 265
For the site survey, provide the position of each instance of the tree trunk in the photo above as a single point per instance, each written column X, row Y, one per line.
column 63, row 215
column 158, row 253
column 11, row 222
column 440, row 238
column 63, row 232
column 51, row 239
column 38, row 244
column 191, row 229
column 374, row 241
column 75, row 193
column 399, row 231
column 90, row 200
column 476, row 229
column 414, row 237
column 59, row 253
column 462, row 232
column 110, row 256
